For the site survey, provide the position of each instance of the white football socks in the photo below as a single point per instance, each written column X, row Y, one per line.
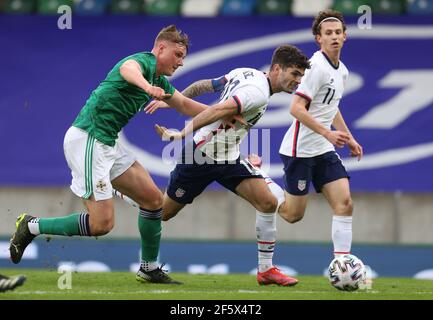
column 266, row 227
column 149, row 265
column 34, row 227
column 342, row 234
column 266, row 231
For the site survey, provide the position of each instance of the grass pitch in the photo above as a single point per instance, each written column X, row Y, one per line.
column 43, row 285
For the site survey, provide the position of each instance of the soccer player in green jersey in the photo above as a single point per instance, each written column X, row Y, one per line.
column 98, row 162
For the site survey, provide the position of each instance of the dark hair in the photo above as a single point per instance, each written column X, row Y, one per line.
column 329, row 13
column 172, row 34
column 290, row 56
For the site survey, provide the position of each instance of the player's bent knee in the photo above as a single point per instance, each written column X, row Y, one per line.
column 167, row 215
column 152, row 204
column 345, row 208
column 291, row 217
column 295, row 218
column 268, row 205
column 102, row 227
column 155, row 204
column 101, row 231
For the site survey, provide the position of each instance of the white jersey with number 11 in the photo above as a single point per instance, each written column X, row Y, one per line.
column 322, row 86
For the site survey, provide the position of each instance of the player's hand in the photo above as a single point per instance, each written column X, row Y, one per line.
column 167, row 134
column 240, row 119
column 355, row 149
column 155, row 105
column 230, row 122
column 338, row 138
column 157, row 93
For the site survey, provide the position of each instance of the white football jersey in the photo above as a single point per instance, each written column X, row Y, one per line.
column 323, row 87
column 251, row 91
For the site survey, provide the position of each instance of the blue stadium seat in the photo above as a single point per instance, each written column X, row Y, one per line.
column 90, row 7
column 238, row 7
column 419, row 7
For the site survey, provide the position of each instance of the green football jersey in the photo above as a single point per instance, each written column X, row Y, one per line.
column 115, row 101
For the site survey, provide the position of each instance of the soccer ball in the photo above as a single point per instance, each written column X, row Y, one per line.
column 346, row 272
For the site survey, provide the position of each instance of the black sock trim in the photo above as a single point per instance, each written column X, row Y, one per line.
column 150, row 211
column 84, row 224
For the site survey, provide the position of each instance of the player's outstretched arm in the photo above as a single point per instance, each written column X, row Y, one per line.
column 130, row 70
column 196, row 89
column 219, row 111
column 155, row 105
column 185, row 105
column 298, row 109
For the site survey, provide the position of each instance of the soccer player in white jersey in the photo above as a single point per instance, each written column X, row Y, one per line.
column 308, row 148
column 214, row 153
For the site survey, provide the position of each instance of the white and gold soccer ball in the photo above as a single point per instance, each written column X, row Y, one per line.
column 347, row 272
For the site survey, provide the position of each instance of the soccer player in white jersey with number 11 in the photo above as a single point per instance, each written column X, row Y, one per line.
column 307, row 149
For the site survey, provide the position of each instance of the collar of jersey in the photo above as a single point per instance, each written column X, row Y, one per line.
column 330, row 62
column 270, row 87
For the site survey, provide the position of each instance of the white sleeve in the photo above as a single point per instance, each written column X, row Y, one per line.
column 249, row 97
column 310, row 83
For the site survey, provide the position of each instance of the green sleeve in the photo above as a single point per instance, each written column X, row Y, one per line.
column 164, row 84
column 145, row 65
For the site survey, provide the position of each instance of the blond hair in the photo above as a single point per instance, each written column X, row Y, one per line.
column 172, row 34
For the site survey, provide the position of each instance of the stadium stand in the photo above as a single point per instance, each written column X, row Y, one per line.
column 50, row 7
column 198, row 8
column 91, row 7
column 348, row 7
column 211, row 8
column 18, row 6
column 163, row 7
column 126, row 7
column 302, row 8
column 273, row 7
column 238, row 7
column 388, row 7
column 419, row 7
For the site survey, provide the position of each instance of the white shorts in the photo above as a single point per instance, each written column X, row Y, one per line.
column 93, row 164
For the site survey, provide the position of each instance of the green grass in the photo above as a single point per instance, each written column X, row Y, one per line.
column 42, row 284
